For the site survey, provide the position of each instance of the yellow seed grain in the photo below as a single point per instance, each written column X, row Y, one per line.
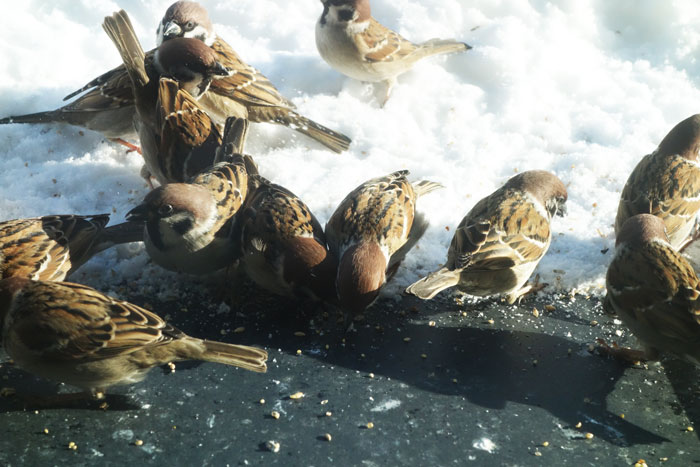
column 589, row 435
column 46, row 431
column 298, row 351
column 622, row 415
column 329, row 414
column 300, row 334
column 327, row 437
column 369, row 425
column 535, row 312
column 138, row 442
column 579, row 425
column 273, row 446
column 490, row 321
column 297, row 395
column 371, row 375
column 689, row 428
column 275, row 414
column 407, row 339
column 262, row 401
column 549, row 307
column 239, row 330
column 431, row 324
column 545, row 443
column 538, row 453
column 324, row 402
column 72, row 446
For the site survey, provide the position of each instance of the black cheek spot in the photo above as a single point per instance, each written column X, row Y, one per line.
column 183, row 226
column 345, row 15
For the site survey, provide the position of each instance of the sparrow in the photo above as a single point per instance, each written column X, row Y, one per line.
column 74, row 334
column 50, row 248
column 350, row 40
column 666, row 183
column 283, row 247
column 245, row 93
column 499, row 242
column 654, row 291
column 178, row 139
column 189, row 226
column 370, row 233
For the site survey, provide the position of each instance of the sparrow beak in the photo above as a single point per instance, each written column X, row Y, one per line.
column 138, row 214
column 561, row 210
column 171, row 30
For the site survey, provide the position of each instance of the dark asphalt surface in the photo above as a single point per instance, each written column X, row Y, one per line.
column 443, row 383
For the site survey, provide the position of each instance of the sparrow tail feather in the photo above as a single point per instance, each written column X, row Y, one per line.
column 118, row 27
column 425, row 186
column 442, row 46
column 243, row 356
column 434, row 283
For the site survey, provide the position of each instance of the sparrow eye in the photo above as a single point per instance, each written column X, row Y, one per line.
column 345, row 15
column 165, row 210
column 189, row 26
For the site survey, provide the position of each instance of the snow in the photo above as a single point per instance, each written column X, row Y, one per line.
column 582, row 88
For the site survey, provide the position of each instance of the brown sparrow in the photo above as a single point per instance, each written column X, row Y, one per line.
column 350, row 40
column 189, row 226
column 654, row 291
column 666, row 183
column 499, row 242
column 74, row 334
column 50, row 248
column 173, row 131
column 283, row 247
column 371, row 232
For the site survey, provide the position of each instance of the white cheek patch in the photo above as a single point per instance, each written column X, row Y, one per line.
column 201, row 33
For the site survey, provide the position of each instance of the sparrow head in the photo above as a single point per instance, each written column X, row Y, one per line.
column 640, row 229
column 544, row 187
column 309, row 265
column 345, row 11
column 191, row 63
column 177, row 213
column 186, row 19
column 683, row 139
column 361, row 274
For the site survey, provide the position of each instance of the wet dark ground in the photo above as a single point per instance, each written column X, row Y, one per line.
column 444, row 382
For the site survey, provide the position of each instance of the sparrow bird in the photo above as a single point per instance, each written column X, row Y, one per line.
column 654, row 291
column 189, row 226
column 371, row 232
column 666, row 183
column 245, row 93
column 50, row 248
column 499, row 242
column 283, row 247
column 350, row 40
column 178, row 138
column 76, row 335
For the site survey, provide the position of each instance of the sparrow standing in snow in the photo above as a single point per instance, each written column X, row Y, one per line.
column 371, row 232
column 500, row 241
column 283, row 247
column 161, row 113
column 355, row 44
column 74, row 334
column 654, row 291
column 666, row 183
column 50, row 248
column 189, row 226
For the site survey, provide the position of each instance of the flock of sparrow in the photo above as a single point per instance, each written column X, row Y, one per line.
column 190, row 101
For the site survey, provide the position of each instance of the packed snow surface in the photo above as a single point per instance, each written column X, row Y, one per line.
column 582, row 88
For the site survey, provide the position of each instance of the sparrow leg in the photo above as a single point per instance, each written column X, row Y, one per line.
column 390, row 82
column 528, row 288
column 625, row 354
column 132, row 147
column 145, row 174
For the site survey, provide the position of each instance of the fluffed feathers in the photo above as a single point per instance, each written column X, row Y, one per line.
column 654, row 290
column 74, row 334
column 50, row 248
